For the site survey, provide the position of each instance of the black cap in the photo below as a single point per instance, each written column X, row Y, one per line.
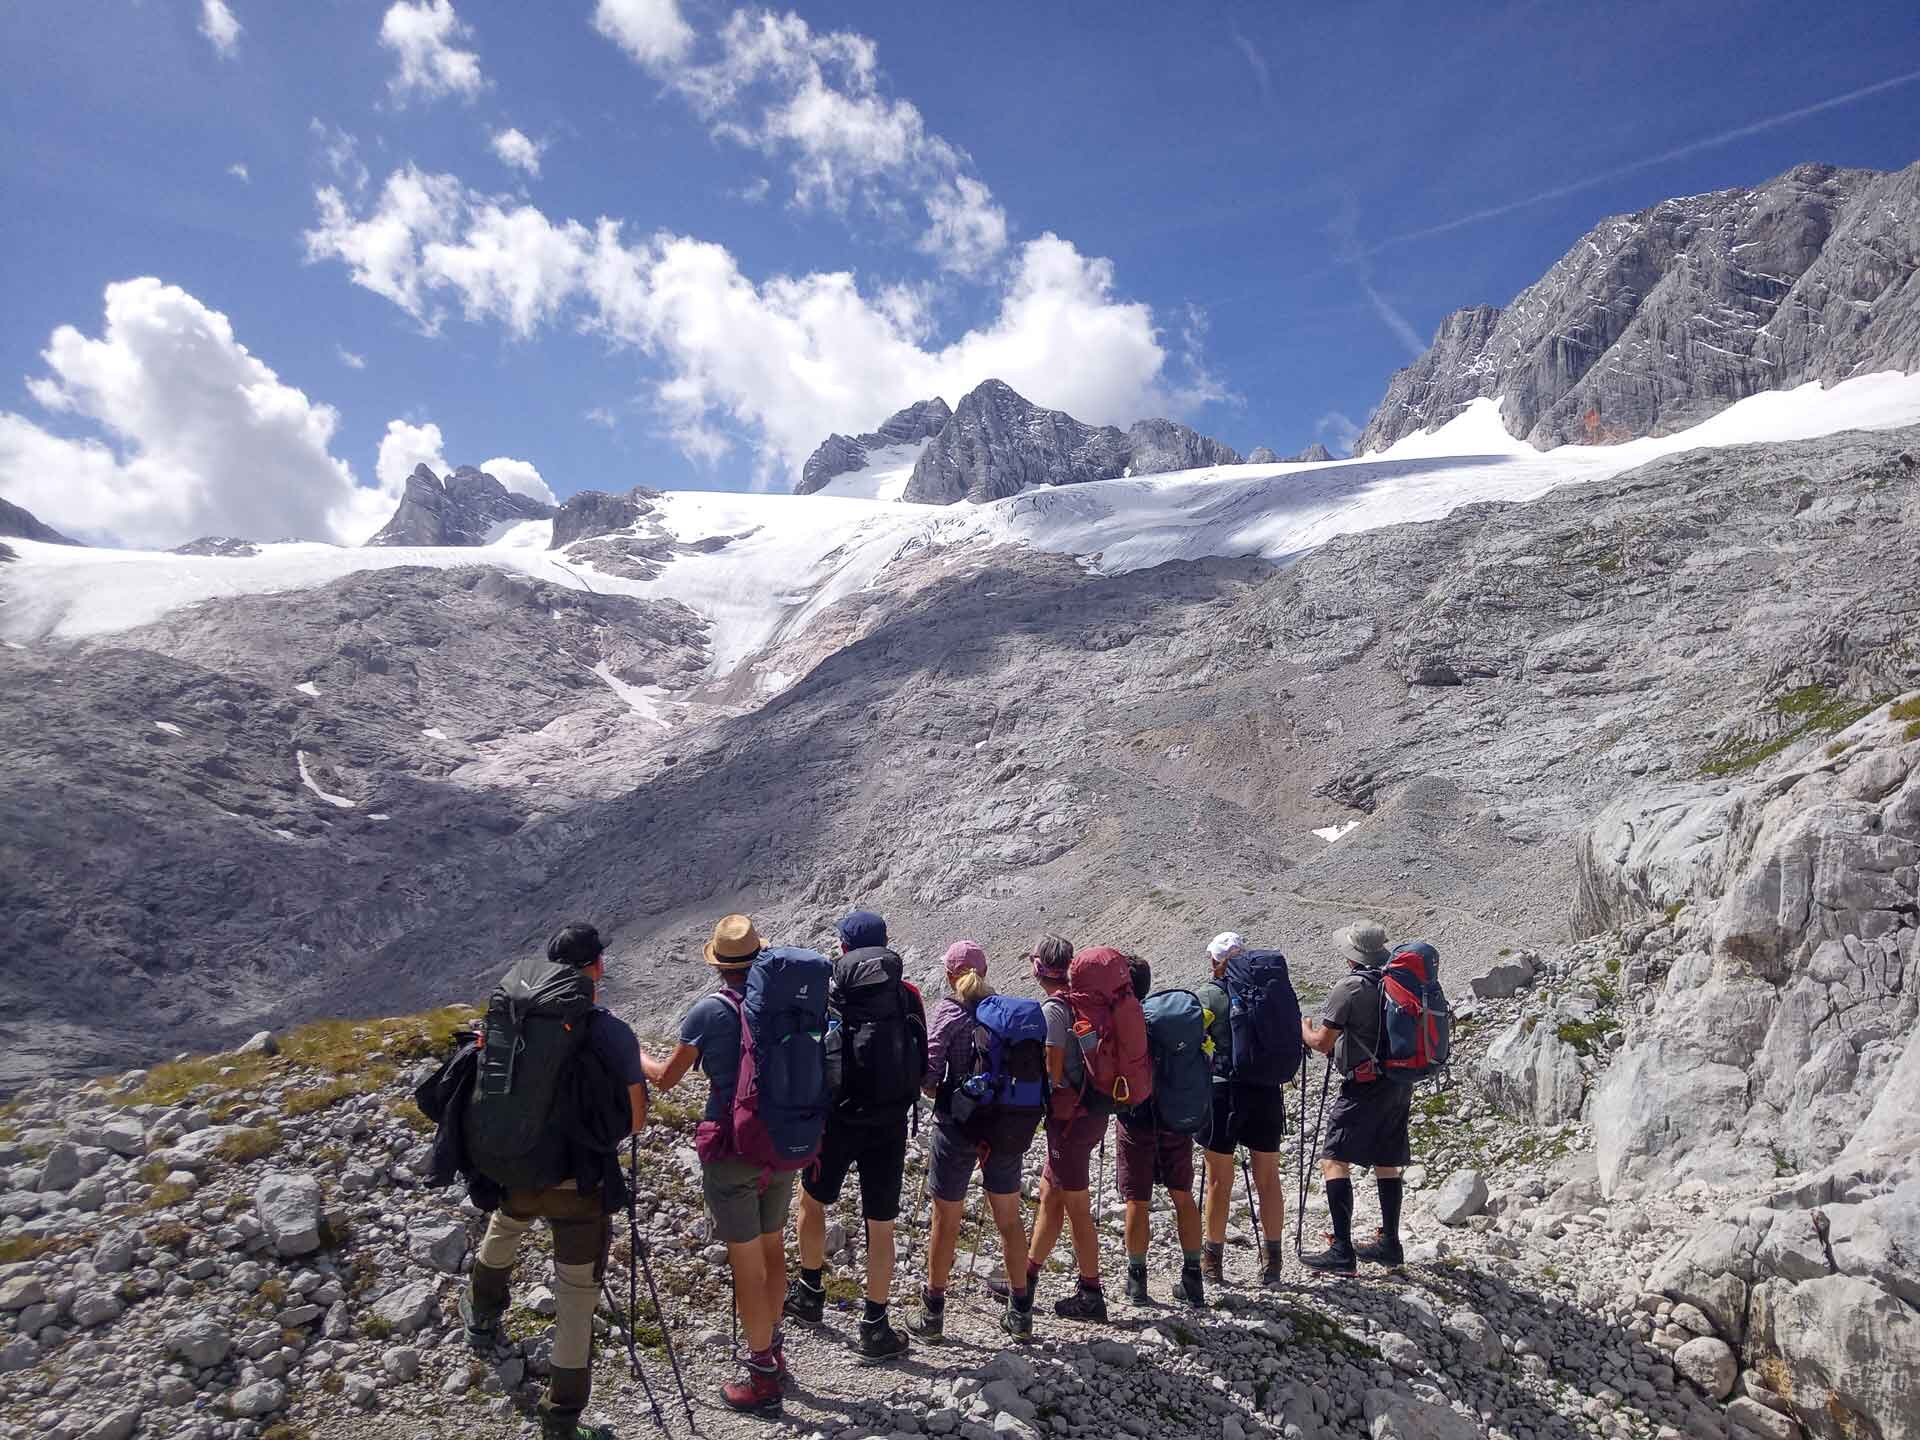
column 577, row 945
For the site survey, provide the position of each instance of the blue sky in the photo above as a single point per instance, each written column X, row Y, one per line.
column 715, row 233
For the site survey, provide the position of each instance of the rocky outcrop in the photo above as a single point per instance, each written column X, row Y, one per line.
column 842, row 454
column 21, row 524
column 462, row 509
column 1263, row 455
column 224, row 546
column 1653, row 321
column 1314, row 454
column 998, row 443
column 588, row 513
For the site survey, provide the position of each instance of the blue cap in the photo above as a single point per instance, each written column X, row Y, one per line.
column 862, row 930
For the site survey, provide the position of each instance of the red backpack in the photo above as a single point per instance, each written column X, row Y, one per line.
column 1111, row 1029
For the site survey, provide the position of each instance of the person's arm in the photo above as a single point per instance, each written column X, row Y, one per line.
column 1319, row 1036
column 939, row 1036
column 1057, row 1064
column 667, row 1073
column 637, row 1098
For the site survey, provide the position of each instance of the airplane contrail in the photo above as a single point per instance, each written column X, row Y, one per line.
column 1725, row 137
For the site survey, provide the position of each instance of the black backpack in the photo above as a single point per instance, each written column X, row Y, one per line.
column 877, row 1050
column 536, row 1027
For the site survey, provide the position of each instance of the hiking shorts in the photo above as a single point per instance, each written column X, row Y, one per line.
column 742, row 1211
column 953, row 1154
column 1367, row 1123
column 880, row 1152
column 1151, row 1156
column 1070, row 1147
column 1251, row 1115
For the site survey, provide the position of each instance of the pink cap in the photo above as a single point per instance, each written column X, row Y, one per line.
column 964, row 955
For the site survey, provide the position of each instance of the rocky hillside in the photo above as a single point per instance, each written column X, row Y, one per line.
column 841, row 454
column 1653, row 321
column 462, row 509
column 21, row 524
column 371, row 791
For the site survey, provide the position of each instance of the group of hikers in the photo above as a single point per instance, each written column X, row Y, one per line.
column 816, row 1069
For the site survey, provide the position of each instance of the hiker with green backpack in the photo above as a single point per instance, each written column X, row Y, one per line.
column 760, row 1039
column 1154, row 1141
column 559, row 1084
column 1256, row 1053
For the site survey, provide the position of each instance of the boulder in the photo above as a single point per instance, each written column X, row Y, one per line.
column 439, row 1243
column 200, row 1342
column 118, row 1425
column 1709, row 1363
column 287, row 1204
column 263, row 1397
column 123, row 1136
column 61, row 1170
column 95, row 1307
column 1393, row 1416
column 19, row 1353
column 1844, row 1354
column 262, row 1042
column 1463, row 1195
column 1531, row 1073
column 407, row 1307
column 18, row 1292
column 114, row 1254
column 1504, row 980
column 1479, row 1342
column 197, row 1152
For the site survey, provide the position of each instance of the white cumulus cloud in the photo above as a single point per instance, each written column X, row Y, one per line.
column 653, row 32
column 516, row 150
column 774, row 364
column 815, row 100
column 194, row 435
column 519, row 476
column 349, row 359
column 422, row 36
column 218, row 24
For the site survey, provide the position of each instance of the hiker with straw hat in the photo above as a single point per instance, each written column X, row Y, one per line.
column 748, row 1206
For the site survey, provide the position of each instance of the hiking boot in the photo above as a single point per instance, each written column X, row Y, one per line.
column 553, row 1428
column 1192, row 1288
column 482, row 1326
column 804, row 1302
column 1084, row 1304
column 1137, row 1288
column 755, row 1393
column 1270, row 1272
column 1213, row 1265
column 1334, row 1260
column 1381, row 1253
column 880, row 1342
column 780, row 1370
column 1017, row 1322
column 928, row 1324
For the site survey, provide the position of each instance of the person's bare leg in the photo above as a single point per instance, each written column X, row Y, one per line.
column 1219, row 1195
column 813, row 1232
column 943, row 1241
column 773, row 1261
column 1013, row 1236
column 879, row 1260
column 749, row 1261
column 1273, row 1195
column 1186, row 1220
column 1086, row 1239
column 1137, row 1229
column 1047, row 1221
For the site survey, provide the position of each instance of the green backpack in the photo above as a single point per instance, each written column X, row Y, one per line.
column 536, row 1026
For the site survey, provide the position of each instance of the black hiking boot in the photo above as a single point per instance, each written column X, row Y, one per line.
column 1018, row 1322
column 928, row 1323
column 1270, row 1272
column 1213, row 1264
column 1084, row 1304
column 482, row 1325
column 1137, row 1287
column 880, row 1343
column 1334, row 1260
column 1381, row 1252
column 1192, row 1288
column 804, row 1302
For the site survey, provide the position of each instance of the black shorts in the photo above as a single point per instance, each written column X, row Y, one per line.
column 1251, row 1115
column 1367, row 1124
column 880, row 1153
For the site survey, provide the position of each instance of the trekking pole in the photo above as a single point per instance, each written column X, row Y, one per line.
column 1253, row 1213
column 1100, row 1195
column 1307, row 1151
column 627, row 1320
column 639, row 1248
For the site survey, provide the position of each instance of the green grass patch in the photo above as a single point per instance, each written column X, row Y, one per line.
column 1315, row 1329
column 378, row 1327
column 1905, row 709
column 1586, row 1036
column 254, row 1143
column 168, row 1193
column 23, row 1247
column 844, row 1289
column 341, row 1087
column 167, row 1235
column 1812, row 709
column 1672, row 912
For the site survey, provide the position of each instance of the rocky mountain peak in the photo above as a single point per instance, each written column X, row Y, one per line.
column 21, row 524
column 840, row 455
column 459, row 510
column 588, row 513
column 1656, row 320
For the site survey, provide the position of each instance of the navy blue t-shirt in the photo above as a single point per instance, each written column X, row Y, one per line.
column 712, row 1027
column 613, row 1040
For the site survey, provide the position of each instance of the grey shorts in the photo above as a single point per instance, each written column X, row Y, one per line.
column 742, row 1211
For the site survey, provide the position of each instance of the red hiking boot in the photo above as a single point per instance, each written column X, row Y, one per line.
column 756, row 1393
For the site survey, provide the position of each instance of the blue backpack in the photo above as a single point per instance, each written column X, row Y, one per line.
column 1009, row 1060
column 1265, row 1014
column 1182, row 1071
column 780, row 1100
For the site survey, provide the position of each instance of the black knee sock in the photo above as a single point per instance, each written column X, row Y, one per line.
column 811, row 1278
column 1390, row 1193
column 1340, row 1202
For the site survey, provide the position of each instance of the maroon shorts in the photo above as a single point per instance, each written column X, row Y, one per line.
column 1150, row 1157
column 1070, row 1147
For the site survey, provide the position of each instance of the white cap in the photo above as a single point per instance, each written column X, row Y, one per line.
column 1224, row 944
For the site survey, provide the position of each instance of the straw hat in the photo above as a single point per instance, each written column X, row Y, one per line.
column 734, row 944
